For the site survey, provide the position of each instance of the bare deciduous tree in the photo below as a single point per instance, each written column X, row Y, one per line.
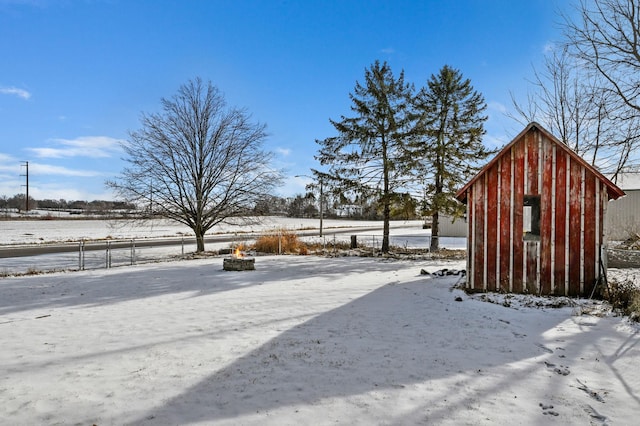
column 571, row 100
column 198, row 162
column 606, row 36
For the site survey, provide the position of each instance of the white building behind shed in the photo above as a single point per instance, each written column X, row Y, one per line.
column 623, row 214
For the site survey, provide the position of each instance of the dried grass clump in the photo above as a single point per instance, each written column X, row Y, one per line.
column 624, row 297
column 280, row 242
column 631, row 243
column 32, row 271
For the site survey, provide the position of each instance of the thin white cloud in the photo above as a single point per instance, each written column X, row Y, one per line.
column 84, row 146
column 6, row 158
column 388, row 50
column 14, row 91
column 8, row 164
column 68, row 192
column 48, row 169
column 285, row 152
column 548, row 47
column 497, row 106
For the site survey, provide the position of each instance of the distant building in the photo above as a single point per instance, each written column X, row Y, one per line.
column 349, row 210
column 535, row 219
column 623, row 216
column 448, row 226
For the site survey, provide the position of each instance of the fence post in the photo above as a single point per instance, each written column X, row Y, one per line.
column 133, row 252
column 81, row 256
column 182, row 242
column 280, row 243
column 108, row 259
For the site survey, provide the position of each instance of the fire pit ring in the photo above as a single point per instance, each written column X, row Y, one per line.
column 239, row 264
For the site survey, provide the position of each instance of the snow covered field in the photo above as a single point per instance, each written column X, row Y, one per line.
column 47, row 231
column 304, row 340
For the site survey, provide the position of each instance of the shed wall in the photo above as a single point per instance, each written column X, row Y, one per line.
column 565, row 259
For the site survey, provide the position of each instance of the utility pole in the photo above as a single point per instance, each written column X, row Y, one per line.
column 26, row 175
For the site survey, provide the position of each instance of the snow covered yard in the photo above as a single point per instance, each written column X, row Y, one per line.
column 303, row 340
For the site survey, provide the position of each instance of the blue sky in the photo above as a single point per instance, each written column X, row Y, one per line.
column 76, row 74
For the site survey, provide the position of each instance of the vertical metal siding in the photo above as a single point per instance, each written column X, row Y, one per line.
column 567, row 215
column 560, row 220
column 623, row 216
column 596, row 270
column 582, row 223
column 553, row 192
column 590, row 225
column 546, row 183
column 484, row 231
column 491, row 227
column 498, row 273
column 478, row 195
column 517, row 207
column 505, row 226
column 512, row 219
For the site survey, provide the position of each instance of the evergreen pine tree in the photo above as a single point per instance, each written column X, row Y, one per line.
column 369, row 154
column 448, row 144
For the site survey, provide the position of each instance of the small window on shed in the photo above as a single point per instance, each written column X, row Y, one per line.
column 531, row 217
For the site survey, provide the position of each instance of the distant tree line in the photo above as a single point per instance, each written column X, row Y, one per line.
column 403, row 207
column 306, row 205
column 18, row 203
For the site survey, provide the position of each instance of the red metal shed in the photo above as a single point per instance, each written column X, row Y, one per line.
column 535, row 218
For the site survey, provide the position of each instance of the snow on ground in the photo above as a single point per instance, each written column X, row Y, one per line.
column 303, row 340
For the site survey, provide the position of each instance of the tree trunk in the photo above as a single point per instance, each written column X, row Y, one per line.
column 434, row 232
column 435, row 218
column 199, row 242
column 385, row 229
